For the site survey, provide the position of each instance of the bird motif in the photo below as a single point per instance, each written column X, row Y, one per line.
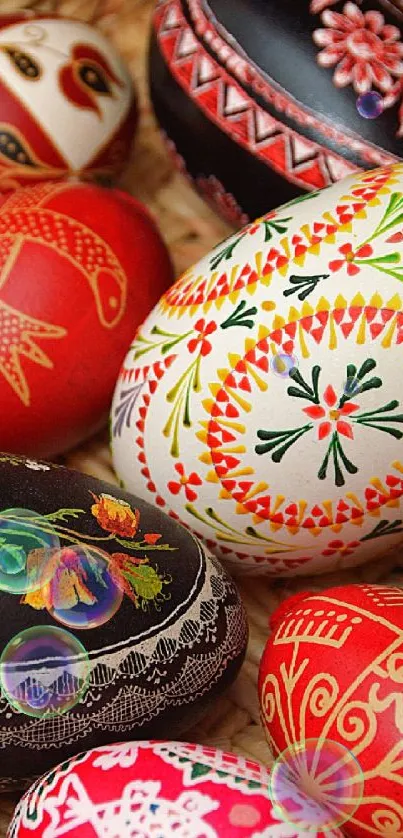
column 24, row 217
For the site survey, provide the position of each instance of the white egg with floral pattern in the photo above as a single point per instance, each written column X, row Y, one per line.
column 261, row 403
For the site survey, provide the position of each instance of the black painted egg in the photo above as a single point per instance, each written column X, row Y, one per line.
column 115, row 621
column 263, row 100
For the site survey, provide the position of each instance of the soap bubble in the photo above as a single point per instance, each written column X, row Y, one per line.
column 282, row 364
column 81, row 592
column 352, row 387
column 44, row 671
column 27, row 541
column 370, row 105
column 316, row 785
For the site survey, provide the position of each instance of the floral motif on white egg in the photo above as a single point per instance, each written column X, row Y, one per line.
column 259, row 402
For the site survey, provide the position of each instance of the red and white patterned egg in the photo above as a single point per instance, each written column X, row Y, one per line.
column 332, row 673
column 154, row 789
column 67, row 101
column 262, row 400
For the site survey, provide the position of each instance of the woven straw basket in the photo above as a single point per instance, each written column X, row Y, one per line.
column 190, row 230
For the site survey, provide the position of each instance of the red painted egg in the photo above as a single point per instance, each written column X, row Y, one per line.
column 80, row 268
column 68, row 105
column 153, row 789
column 332, row 673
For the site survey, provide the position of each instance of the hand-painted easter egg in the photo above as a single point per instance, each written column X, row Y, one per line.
column 115, row 620
column 156, row 788
column 332, row 671
column 263, row 100
column 67, row 102
column 80, row 266
column 260, row 401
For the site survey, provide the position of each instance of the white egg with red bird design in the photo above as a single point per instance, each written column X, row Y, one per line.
column 68, row 106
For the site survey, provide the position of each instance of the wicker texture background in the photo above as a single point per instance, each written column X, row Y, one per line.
column 190, row 230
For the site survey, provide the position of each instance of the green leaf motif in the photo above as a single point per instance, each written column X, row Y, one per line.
column 393, row 215
column 336, row 452
column 355, row 384
column 64, row 514
column 145, row 581
column 226, row 252
column 275, row 225
column 227, row 533
column 375, row 418
column 24, row 533
column 142, row 545
column 165, row 342
column 12, row 558
column 280, row 441
column 200, row 770
column 304, row 197
column 384, row 527
column 240, row 317
column 307, row 391
column 304, row 285
column 180, row 396
column 277, row 442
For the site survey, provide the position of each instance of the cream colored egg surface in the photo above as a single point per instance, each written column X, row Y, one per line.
column 261, row 402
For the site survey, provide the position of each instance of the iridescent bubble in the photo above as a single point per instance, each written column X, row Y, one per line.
column 370, row 105
column 44, row 671
column 27, row 542
column 81, row 592
column 316, row 785
column 352, row 387
column 282, row 364
column 37, row 697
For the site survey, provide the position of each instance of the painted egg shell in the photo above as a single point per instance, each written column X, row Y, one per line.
column 67, row 102
column 260, row 400
column 80, row 266
column 332, row 670
column 262, row 101
column 154, row 788
column 115, row 621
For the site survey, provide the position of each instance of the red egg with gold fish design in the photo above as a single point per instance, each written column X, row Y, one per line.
column 80, row 267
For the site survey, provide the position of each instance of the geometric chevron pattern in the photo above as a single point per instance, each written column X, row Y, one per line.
column 225, row 103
